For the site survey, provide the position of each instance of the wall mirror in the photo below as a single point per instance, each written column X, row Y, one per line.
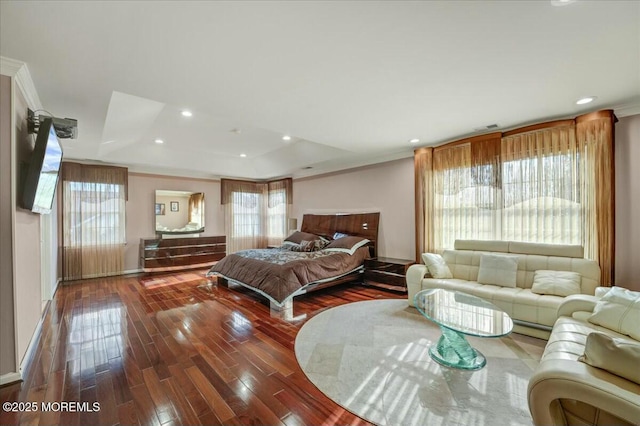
column 179, row 212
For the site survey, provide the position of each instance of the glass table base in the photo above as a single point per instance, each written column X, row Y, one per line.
column 453, row 350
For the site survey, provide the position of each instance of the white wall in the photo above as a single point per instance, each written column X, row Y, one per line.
column 141, row 218
column 387, row 188
column 28, row 290
column 627, row 158
column 7, row 332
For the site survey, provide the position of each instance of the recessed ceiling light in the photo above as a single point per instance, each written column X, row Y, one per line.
column 159, row 141
column 286, row 138
column 585, row 100
column 415, row 140
column 243, row 155
column 562, row 2
column 186, row 113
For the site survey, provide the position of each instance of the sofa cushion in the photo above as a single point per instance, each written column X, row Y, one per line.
column 558, row 250
column 619, row 310
column 519, row 303
column 557, row 283
column 436, row 265
column 617, row 356
column 482, row 245
column 569, row 338
column 498, row 269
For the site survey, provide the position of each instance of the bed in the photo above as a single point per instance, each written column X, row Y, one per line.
column 280, row 274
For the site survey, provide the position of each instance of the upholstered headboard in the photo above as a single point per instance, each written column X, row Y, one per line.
column 359, row 224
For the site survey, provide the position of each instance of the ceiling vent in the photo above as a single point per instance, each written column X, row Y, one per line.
column 488, row 127
column 306, row 168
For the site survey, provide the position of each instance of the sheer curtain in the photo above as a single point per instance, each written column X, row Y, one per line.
column 280, row 196
column 551, row 183
column 196, row 208
column 423, row 166
column 542, row 201
column 245, row 210
column 466, row 187
column 595, row 134
column 255, row 212
column 93, row 220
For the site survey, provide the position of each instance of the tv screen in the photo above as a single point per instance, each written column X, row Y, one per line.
column 42, row 177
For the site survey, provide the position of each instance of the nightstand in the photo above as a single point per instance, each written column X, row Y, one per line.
column 387, row 272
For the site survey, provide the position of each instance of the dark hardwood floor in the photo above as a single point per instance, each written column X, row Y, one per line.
column 175, row 355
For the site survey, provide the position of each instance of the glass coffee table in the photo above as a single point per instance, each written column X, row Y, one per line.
column 458, row 314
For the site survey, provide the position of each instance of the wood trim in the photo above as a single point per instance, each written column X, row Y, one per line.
column 605, row 113
column 539, row 126
column 469, row 140
column 612, row 171
column 421, row 150
column 417, row 198
column 359, row 224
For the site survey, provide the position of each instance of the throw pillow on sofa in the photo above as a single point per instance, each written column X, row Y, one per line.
column 498, row 269
column 619, row 310
column 436, row 265
column 617, row 356
column 556, row 283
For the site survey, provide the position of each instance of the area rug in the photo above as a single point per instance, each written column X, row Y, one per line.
column 155, row 281
column 372, row 358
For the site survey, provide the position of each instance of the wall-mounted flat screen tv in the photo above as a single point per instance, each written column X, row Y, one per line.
column 42, row 176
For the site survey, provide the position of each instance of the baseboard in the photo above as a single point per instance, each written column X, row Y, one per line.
column 128, row 272
column 8, row 378
column 55, row 288
column 35, row 337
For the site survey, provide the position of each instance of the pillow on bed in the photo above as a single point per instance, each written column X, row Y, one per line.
column 347, row 244
column 298, row 236
column 339, row 235
column 320, row 244
column 304, row 246
column 288, row 245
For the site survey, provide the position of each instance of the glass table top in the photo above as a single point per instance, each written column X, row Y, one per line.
column 463, row 313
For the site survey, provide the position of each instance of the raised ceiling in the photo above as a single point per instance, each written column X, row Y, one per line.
column 351, row 82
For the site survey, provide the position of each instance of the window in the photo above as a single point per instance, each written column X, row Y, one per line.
column 246, row 214
column 554, row 183
column 93, row 220
column 277, row 215
column 542, row 200
column 96, row 213
column 255, row 213
column 521, row 188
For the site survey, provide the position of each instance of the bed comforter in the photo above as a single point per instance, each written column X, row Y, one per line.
column 280, row 273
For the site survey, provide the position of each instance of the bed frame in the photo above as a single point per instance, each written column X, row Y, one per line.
column 358, row 224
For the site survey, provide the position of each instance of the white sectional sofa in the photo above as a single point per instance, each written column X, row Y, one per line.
column 533, row 314
column 566, row 391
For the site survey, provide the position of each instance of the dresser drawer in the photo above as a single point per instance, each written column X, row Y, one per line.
column 387, row 272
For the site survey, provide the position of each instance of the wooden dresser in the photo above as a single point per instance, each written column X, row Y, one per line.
column 169, row 254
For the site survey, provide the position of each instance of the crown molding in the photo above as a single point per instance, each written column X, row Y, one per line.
column 9, row 67
column 627, row 110
column 19, row 71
